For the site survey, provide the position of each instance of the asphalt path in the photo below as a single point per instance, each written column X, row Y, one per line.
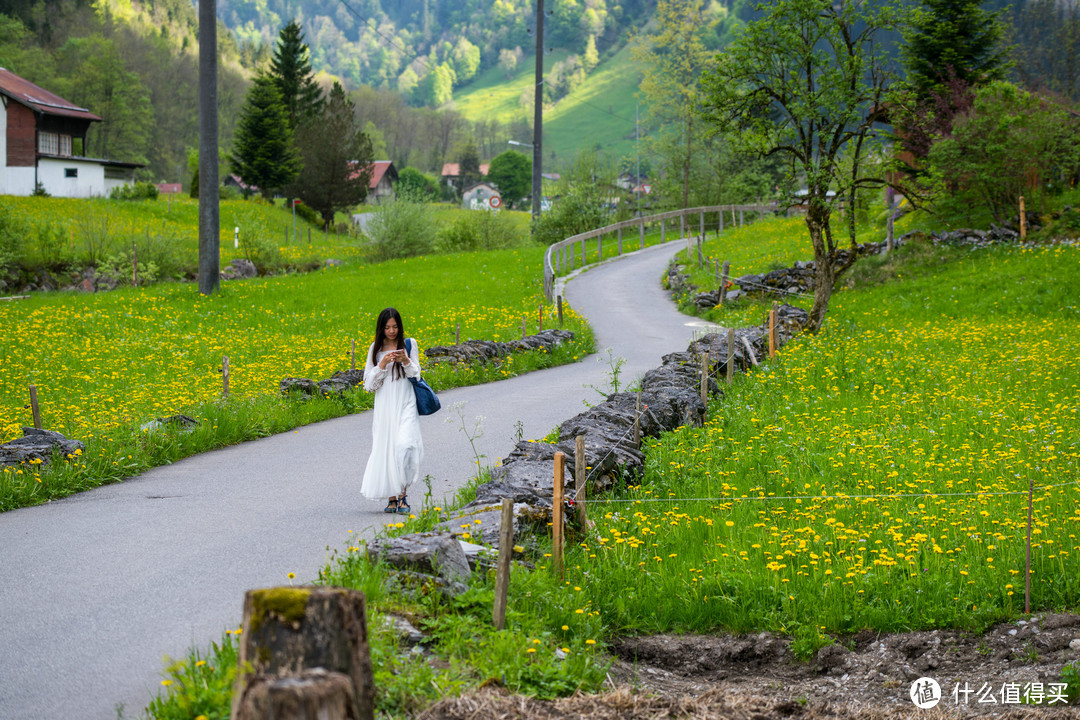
column 96, row 589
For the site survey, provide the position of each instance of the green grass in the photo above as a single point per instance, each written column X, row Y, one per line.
column 598, row 114
column 904, row 394
column 874, row 475
column 70, row 232
column 105, row 364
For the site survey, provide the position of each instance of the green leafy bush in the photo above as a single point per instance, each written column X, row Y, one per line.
column 418, row 184
column 401, row 228
column 261, row 250
column 1008, row 141
column 138, row 191
column 117, row 267
column 478, row 230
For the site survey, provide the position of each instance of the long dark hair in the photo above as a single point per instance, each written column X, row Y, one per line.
column 380, row 337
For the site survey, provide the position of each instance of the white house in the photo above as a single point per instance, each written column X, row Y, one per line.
column 41, row 134
column 479, row 197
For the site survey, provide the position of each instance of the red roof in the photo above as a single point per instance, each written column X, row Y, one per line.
column 454, row 169
column 39, row 99
column 378, row 169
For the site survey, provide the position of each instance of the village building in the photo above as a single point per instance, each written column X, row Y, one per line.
column 451, row 173
column 479, row 197
column 42, row 141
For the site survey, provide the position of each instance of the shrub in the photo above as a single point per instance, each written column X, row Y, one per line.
column 138, row 191
column 261, row 250
column 418, row 184
column 402, row 228
column 308, row 213
column 117, row 268
column 478, row 230
column 1008, row 141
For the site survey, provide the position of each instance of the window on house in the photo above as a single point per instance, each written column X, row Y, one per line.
column 48, row 143
column 71, row 172
column 65, row 145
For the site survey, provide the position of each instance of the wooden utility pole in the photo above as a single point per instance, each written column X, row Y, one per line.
column 209, row 210
column 538, row 115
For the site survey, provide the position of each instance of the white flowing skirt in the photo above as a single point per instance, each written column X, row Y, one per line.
column 396, row 446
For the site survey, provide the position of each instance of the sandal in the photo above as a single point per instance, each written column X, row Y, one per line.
column 403, row 506
column 391, row 507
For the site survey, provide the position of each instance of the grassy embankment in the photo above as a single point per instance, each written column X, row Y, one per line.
column 872, row 476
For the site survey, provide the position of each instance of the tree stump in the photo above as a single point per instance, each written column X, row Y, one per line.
column 288, row 631
column 314, row 695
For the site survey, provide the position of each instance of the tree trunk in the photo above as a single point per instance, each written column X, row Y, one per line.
column 288, row 631
column 817, row 219
column 314, row 695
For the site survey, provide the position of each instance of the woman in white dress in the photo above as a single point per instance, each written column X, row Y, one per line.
column 396, row 446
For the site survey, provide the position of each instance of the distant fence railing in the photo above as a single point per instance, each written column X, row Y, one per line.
column 561, row 257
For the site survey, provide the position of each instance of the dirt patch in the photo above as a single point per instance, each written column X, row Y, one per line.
column 867, row 676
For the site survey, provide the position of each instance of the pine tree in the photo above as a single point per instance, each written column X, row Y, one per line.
column 337, row 159
column 469, row 165
column 291, row 70
column 954, row 39
column 263, row 151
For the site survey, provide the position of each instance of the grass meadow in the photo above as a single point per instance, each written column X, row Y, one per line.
column 597, row 114
column 105, row 364
column 874, row 476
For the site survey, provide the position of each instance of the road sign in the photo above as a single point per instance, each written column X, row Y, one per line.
column 495, row 201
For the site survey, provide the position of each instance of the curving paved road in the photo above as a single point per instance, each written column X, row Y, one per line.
column 96, row 588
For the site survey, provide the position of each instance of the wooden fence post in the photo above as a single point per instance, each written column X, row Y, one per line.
column 730, row 354
column 772, row 331
column 1023, row 220
column 34, row 409
column 620, row 239
column 352, row 354
column 720, row 225
column 637, row 420
column 705, row 379
column 540, row 314
column 579, row 499
column 700, row 255
column 1027, row 564
column 502, row 569
column 523, row 330
column 557, row 515
column 663, row 232
column 641, row 226
column 599, row 247
column 560, row 311
column 225, row 376
column 701, row 225
column 724, row 280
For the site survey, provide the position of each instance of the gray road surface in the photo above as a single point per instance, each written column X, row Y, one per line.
column 95, row 589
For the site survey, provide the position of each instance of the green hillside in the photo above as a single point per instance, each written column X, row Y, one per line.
column 598, row 114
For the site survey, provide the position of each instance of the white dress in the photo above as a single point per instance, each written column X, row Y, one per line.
column 396, row 446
